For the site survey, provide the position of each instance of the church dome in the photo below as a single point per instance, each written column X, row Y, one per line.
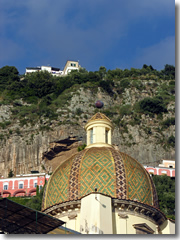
column 102, row 169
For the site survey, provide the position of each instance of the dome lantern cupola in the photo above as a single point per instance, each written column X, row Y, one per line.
column 99, row 131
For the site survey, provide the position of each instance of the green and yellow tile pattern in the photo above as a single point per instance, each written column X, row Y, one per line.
column 113, row 173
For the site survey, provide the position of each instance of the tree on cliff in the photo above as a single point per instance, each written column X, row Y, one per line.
column 8, row 75
column 10, row 174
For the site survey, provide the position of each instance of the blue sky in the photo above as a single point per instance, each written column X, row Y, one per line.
column 111, row 33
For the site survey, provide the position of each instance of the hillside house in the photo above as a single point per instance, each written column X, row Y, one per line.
column 69, row 66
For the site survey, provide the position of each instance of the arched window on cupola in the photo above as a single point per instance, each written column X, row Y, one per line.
column 107, row 135
column 91, row 136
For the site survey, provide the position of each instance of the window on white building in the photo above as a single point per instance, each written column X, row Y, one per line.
column 35, row 183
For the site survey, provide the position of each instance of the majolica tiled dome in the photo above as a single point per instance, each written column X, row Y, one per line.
column 113, row 173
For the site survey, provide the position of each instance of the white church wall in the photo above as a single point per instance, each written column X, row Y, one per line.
column 96, row 214
column 124, row 223
column 168, row 227
column 72, row 220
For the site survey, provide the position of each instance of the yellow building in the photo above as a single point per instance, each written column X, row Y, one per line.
column 101, row 190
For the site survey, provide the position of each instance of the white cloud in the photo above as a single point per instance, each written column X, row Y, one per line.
column 157, row 55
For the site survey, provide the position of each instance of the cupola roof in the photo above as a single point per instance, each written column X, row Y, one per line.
column 110, row 171
column 99, row 116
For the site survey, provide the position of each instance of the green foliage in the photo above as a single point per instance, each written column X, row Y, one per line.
column 124, row 83
column 83, row 70
column 45, row 93
column 110, row 113
column 8, row 75
column 169, row 70
column 78, row 111
column 152, row 105
column 37, row 84
column 138, row 85
column 115, row 74
column 102, row 72
column 45, row 128
column 107, row 86
column 165, row 187
column 3, row 125
column 125, row 110
column 171, row 141
column 168, row 122
column 40, row 84
column 37, row 191
column 36, row 201
column 148, row 130
column 135, row 120
column 21, row 200
column 17, row 131
column 1, row 137
column 10, row 174
column 166, row 92
column 172, row 83
column 80, row 148
column 123, row 125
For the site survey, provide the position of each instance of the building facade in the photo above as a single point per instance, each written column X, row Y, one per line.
column 22, row 185
column 69, row 66
column 167, row 167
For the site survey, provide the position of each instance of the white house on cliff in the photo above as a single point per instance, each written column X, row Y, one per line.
column 69, row 66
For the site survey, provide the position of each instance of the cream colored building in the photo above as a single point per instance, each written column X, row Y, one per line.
column 167, row 164
column 69, row 66
column 101, row 190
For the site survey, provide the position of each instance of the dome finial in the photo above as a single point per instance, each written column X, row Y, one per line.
column 99, row 104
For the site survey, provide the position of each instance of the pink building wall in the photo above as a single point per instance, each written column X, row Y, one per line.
column 28, row 188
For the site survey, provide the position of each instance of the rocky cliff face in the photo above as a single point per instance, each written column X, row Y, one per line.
column 35, row 148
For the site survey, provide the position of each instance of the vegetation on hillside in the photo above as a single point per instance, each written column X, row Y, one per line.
column 43, row 86
column 37, row 97
column 165, row 187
